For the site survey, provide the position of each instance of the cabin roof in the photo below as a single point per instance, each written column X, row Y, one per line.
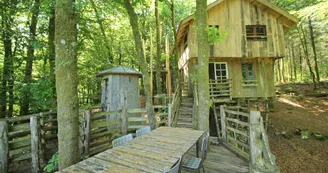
column 288, row 19
column 119, row 70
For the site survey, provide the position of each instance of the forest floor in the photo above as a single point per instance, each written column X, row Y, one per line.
column 296, row 108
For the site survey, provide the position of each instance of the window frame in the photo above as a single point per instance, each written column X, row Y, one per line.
column 255, row 35
column 248, row 81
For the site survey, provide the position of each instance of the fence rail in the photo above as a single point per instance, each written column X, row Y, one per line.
column 220, row 89
column 28, row 142
column 245, row 134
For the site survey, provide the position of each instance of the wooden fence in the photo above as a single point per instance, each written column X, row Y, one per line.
column 28, row 142
column 245, row 134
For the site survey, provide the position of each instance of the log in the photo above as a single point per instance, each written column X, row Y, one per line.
column 4, row 149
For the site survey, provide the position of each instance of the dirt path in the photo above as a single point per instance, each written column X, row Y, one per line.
column 295, row 110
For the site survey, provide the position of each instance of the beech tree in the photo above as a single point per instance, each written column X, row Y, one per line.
column 202, row 69
column 66, row 83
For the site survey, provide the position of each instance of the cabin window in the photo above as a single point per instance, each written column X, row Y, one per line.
column 248, row 74
column 256, row 32
column 185, row 41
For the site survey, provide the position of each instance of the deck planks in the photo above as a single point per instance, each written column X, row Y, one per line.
column 220, row 159
column 153, row 152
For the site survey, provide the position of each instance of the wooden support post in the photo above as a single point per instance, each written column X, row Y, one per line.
column 4, row 148
column 223, row 124
column 34, row 125
column 42, row 140
column 266, row 115
column 87, row 132
column 216, row 121
column 169, row 121
column 124, row 114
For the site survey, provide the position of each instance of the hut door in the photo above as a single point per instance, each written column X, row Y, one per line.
column 218, row 72
column 219, row 81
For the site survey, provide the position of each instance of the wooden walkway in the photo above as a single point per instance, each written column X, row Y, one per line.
column 221, row 160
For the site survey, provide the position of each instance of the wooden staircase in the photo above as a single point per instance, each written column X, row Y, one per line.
column 186, row 112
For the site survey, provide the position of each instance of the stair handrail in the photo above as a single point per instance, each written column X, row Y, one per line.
column 175, row 105
column 195, row 107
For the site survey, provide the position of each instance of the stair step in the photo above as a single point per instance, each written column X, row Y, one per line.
column 184, row 125
column 185, row 116
column 186, row 109
column 185, row 119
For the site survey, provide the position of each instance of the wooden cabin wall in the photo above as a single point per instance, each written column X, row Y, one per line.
column 115, row 85
column 233, row 16
column 263, row 69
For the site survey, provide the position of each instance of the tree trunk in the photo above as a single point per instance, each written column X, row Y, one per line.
column 294, row 62
column 301, row 62
column 290, row 58
column 144, row 69
column 158, row 56
column 316, row 68
column 66, row 83
column 25, row 103
column 203, row 59
column 9, row 9
column 279, row 71
column 101, row 26
column 282, row 71
column 52, row 55
column 176, row 74
column 306, row 54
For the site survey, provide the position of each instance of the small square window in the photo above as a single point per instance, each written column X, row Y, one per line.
column 247, row 71
column 256, row 32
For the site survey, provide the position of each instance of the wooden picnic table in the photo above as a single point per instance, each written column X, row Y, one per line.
column 156, row 151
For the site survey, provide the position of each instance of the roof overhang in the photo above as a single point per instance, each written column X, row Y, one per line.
column 287, row 19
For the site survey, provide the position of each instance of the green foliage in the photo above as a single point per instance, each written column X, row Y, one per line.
column 52, row 164
column 215, row 35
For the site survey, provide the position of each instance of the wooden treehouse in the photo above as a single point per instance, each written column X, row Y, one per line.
column 241, row 66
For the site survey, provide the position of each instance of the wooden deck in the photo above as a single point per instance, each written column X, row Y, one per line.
column 221, row 160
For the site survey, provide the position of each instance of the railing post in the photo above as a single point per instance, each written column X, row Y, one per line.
column 169, row 115
column 261, row 159
column 124, row 114
column 34, row 125
column 87, row 132
column 223, row 124
column 4, row 148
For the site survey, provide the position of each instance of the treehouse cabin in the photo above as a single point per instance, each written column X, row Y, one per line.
column 242, row 64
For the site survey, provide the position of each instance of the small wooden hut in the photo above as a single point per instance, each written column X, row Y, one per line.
column 116, row 81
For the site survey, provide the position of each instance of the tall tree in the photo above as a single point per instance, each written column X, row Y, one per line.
column 52, row 54
column 176, row 74
column 316, row 68
column 30, row 57
column 8, row 10
column 203, row 60
column 301, row 34
column 102, row 29
column 67, row 82
column 143, row 64
column 159, row 53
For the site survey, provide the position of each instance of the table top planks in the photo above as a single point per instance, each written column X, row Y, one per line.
column 156, row 151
